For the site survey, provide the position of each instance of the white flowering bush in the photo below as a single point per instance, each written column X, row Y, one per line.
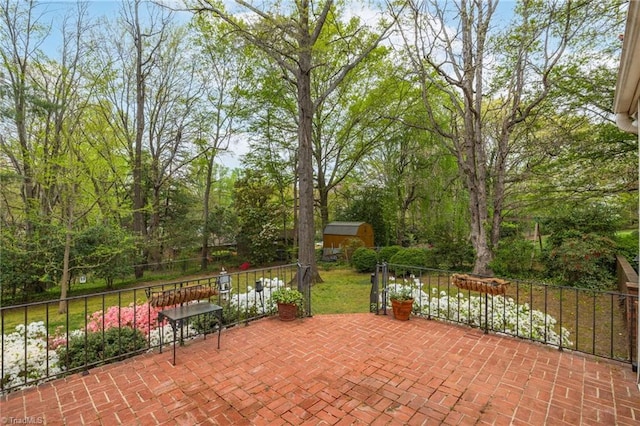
column 40, row 363
column 504, row 315
column 188, row 331
column 259, row 302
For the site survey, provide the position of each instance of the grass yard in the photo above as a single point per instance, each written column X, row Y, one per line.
column 343, row 291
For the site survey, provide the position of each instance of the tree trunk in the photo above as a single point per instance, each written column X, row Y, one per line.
column 204, row 259
column 295, row 217
column 138, row 199
column 323, row 197
column 306, row 224
column 64, row 281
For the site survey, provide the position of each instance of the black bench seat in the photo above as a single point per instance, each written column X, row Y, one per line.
column 177, row 314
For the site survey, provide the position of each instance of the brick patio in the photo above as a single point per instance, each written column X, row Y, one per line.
column 343, row 369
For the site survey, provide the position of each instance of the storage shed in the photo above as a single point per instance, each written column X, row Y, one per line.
column 336, row 233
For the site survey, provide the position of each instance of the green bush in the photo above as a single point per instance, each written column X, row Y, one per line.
column 409, row 257
column 451, row 248
column 587, row 261
column 205, row 323
column 575, row 221
column 453, row 254
column 627, row 245
column 386, row 253
column 100, row 347
column 364, row 259
column 512, row 257
column 510, row 230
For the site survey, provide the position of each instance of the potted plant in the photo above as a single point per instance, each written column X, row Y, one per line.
column 289, row 301
column 401, row 302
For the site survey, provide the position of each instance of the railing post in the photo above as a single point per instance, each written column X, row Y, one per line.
column 373, row 294
column 385, row 284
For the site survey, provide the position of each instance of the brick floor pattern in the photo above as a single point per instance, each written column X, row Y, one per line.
column 352, row 369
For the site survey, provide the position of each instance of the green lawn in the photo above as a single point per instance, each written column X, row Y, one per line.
column 343, row 291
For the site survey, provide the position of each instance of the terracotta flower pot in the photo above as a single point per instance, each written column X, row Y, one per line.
column 402, row 309
column 287, row 311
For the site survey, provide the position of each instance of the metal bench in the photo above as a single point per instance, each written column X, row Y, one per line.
column 182, row 309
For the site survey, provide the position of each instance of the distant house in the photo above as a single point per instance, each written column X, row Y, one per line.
column 337, row 233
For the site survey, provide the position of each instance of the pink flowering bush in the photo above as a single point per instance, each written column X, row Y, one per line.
column 143, row 317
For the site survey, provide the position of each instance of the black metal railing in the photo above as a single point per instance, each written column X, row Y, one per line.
column 39, row 343
column 587, row 321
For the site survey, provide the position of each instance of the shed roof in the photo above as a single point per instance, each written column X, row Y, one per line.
column 342, row 228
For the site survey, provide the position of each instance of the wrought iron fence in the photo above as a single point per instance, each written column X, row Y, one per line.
column 592, row 322
column 39, row 343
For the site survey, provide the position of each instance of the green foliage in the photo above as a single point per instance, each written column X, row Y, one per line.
column 207, row 323
column 181, row 218
column 409, row 257
column 368, row 205
column 512, row 257
column 287, row 295
column 100, row 346
column 572, row 222
column 30, row 264
column 509, row 230
column 586, row 261
column 386, row 253
column 581, row 250
column 223, row 223
column 401, row 294
column 364, row 259
column 451, row 248
column 105, row 251
column 627, row 245
column 258, row 215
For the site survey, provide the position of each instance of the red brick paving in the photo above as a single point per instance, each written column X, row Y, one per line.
column 343, row 370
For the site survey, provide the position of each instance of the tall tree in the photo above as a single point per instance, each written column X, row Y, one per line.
column 22, row 32
column 457, row 48
column 292, row 40
column 48, row 99
column 129, row 61
column 173, row 110
column 273, row 142
column 224, row 70
column 354, row 118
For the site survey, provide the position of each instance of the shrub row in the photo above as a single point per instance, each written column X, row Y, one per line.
column 365, row 259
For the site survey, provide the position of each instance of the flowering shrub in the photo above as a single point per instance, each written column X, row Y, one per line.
column 40, row 362
column 167, row 335
column 504, row 315
column 258, row 302
column 143, row 317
